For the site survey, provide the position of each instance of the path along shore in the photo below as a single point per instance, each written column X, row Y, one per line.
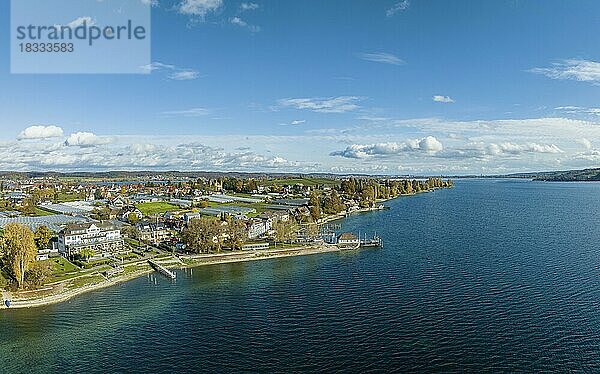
column 170, row 262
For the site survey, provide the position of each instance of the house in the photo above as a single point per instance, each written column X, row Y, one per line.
column 153, row 232
column 127, row 211
column 187, row 217
column 348, row 240
column 258, row 227
column 50, row 251
column 118, row 203
column 101, row 237
column 16, row 197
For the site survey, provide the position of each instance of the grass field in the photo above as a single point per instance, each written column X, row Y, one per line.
column 64, row 197
column 62, row 269
column 159, row 207
column 41, row 212
column 61, row 265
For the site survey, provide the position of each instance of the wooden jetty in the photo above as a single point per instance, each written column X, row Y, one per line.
column 162, row 270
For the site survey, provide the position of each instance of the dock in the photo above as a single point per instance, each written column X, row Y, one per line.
column 162, row 270
column 375, row 241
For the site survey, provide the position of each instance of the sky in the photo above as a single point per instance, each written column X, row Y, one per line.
column 339, row 86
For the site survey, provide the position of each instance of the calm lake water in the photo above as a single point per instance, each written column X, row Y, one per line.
column 492, row 275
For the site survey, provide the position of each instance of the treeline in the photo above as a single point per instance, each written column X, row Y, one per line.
column 240, row 185
column 366, row 192
column 384, row 189
column 211, row 235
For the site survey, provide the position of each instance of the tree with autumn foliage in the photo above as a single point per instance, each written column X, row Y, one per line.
column 19, row 247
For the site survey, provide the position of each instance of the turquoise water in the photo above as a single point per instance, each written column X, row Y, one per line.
column 492, row 275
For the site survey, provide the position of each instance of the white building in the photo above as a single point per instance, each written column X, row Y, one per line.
column 152, row 232
column 101, row 237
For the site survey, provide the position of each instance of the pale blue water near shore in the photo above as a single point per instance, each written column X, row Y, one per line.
column 492, row 275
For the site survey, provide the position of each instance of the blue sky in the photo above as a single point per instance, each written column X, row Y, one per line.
column 394, row 87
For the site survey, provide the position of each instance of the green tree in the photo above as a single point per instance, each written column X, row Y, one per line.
column 35, row 276
column 203, row 234
column 315, row 206
column 133, row 218
column 20, row 250
column 237, row 234
column 86, row 254
column 285, row 231
column 130, row 231
column 42, row 237
column 333, row 203
column 367, row 197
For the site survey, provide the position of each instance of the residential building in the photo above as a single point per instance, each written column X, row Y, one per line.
column 101, row 237
column 153, row 232
column 127, row 211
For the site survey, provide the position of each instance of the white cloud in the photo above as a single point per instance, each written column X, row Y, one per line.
column 294, row 123
column 240, row 22
column 199, row 8
column 585, row 143
column 517, row 149
column 157, row 66
column 172, row 72
column 443, row 99
column 460, row 147
column 85, row 139
column 572, row 69
column 397, row 7
column 184, row 75
column 137, row 156
column 339, row 104
column 579, row 110
column 194, row 112
column 382, row 57
column 248, row 6
column 40, row 132
column 428, row 145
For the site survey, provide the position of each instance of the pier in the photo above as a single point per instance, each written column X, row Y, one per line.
column 163, row 270
column 375, row 241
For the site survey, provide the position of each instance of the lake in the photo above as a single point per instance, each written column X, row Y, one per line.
column 492, row 275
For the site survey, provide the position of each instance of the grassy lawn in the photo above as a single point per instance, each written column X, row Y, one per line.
column 84, row 281
column 62, row 269
column 127, row 256
column 64, row 197
column 158, row 207
column 61, row 265
column 41, row 212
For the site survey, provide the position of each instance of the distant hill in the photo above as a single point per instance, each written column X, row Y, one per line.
column 585, row 175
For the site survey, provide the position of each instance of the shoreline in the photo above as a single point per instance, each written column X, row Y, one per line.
column 196, row 260
column 174, row 263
